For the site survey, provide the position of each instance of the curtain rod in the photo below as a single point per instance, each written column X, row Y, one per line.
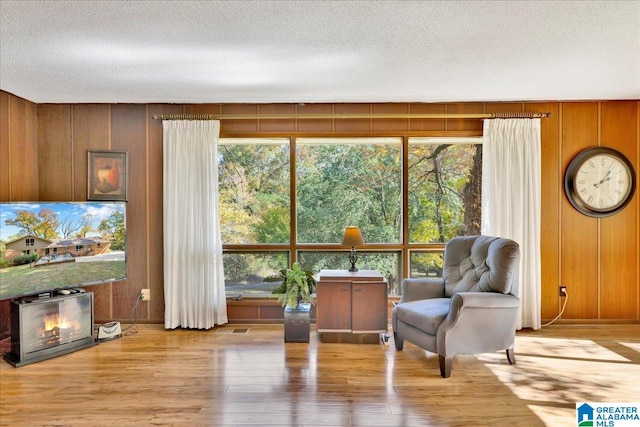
column 349, row 116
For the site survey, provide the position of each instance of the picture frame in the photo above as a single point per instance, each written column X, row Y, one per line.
column 107, row 175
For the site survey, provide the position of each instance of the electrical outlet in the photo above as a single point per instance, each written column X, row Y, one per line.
column 563, row 291
column 146, row 294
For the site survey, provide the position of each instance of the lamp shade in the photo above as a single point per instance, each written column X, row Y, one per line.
column 352, row 236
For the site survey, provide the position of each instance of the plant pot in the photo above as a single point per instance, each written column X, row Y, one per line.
column 297, row 323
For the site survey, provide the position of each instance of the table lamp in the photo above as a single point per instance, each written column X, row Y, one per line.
column 352, row 237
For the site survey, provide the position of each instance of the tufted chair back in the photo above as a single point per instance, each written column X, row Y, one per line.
column 481, row 264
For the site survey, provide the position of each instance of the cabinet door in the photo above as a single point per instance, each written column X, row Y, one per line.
column 333, row 306
column 369, row 307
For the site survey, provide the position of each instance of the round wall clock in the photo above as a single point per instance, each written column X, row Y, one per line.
column 599, row 182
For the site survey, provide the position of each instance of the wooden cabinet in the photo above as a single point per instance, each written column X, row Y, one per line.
column 350, row 303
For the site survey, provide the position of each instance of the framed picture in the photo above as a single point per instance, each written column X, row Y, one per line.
column 107, row 175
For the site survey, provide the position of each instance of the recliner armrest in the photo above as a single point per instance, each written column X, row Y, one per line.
column 463, row 300
column 417, row 289
column 478, row 322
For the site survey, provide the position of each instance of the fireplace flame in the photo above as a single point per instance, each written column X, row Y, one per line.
column 56, row 323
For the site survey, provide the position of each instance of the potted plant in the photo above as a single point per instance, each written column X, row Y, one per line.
column 297, row 286
column 296, row 296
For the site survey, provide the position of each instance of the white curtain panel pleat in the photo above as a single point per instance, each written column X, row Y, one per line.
column 511, row 195
column 194, row 288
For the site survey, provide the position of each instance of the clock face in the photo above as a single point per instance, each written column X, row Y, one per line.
column 603, row 182
column 599, row 181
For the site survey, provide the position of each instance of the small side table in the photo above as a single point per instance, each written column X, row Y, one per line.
column 297, row 323
column 351, row 306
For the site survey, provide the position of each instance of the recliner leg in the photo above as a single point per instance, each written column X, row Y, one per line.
column 511, row 357
column 399, row 342
column 445, row 366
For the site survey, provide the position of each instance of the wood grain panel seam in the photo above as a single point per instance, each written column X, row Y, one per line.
column 560, row 199
column 109, row 124
column 9, row 140
column 73, row 151
column 147, row 201
column 446, row 122
column 599, row 225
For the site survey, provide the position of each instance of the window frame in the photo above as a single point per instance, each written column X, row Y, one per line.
column 404, row 247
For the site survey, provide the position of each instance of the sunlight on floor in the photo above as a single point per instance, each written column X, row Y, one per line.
column 566, row 349
column 635, row 346
column 553, row 374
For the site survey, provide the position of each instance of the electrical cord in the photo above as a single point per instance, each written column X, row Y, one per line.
column 133, row 327
column 564, row 305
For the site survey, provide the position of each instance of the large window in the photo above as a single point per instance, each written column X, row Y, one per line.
column 254, row 190
column 253, row 273
column 349, row 181
column 445, row 180
column 325, row 184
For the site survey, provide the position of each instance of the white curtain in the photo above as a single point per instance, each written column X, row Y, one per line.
column 511, row 182
column 193, row 274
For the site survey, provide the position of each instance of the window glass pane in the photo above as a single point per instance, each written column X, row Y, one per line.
column 426, row 264
column 387, row 263
column 445, row 182
column 348, row 181
column 254, row 273
column 254, row 190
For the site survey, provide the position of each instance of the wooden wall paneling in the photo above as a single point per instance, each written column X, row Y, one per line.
column 314, row 125
column 31, row 132
column 155, row 255
column 464, row 108
column 427, row 124
column 102, row 302
column 17, row 121
column 55, row 168
column 579, row 233
column 23, row 149
column 284, row 125
column 618, row 234
column 242, row 313
column 5, row 138
column 390, row 125
column 129, row 133
column 352, row 125
column 90, row 132
column 5, row 194
column 575, row 248
column 239, row 126
column 504, row 107
column 271, row 312
column 202, row 109
column 551, row 190
column 18, row 164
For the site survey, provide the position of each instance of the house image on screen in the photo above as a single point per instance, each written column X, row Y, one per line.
column 75, row 246
column 585, row 415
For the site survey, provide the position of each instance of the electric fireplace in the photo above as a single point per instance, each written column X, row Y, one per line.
column 42, row 328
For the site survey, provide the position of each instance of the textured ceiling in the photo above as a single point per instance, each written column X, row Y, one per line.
column 319, row 51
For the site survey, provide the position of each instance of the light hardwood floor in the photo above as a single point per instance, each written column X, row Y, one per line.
column 209, row 378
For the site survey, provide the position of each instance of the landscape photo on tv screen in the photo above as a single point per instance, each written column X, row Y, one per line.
column 47, row 246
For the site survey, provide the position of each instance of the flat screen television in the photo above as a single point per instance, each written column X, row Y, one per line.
column 52, row 246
